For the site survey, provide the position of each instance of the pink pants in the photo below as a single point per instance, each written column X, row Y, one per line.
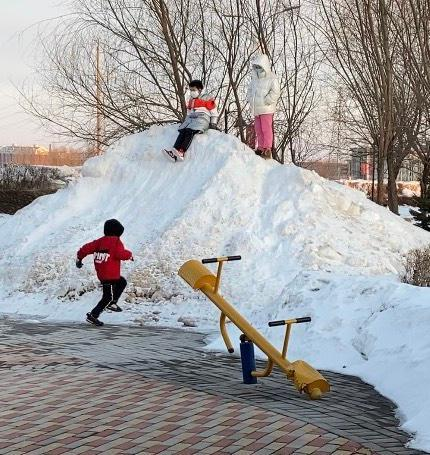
column 263, row 125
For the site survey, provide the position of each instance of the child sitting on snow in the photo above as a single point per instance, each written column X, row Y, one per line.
column 108, row 253
column 201, row 115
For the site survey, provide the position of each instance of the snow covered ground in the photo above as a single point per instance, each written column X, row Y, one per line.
column 310, row 247
column 405, row 213
column 3, row 217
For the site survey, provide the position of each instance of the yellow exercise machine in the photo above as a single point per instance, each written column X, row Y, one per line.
column 305, row 378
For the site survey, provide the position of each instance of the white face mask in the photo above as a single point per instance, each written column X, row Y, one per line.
column 260, row 71
column 194, row 93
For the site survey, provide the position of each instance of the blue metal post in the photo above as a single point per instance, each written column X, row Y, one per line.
column 248, row 360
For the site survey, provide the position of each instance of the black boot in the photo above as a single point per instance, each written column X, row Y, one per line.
column 93, row 320
column 267, row 154
column 113, row 306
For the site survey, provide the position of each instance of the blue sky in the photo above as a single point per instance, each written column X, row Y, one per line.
column 18, row 24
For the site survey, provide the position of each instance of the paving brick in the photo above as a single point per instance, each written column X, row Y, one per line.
column 307, row 449
column 166, row 404
column 328, row 448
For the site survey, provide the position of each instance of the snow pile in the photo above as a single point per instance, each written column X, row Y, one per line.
column 310, row 248
column 3, row 217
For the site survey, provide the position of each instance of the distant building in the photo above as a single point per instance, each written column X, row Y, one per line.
column 361, row 167
column 5, row 156
column 360, row 164
column 332, row 170
column 18, row 154
column 411, row 169
column 37, row 155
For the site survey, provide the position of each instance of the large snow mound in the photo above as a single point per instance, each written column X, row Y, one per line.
column 310, row 247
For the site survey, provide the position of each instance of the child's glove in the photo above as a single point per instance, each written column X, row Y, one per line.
column 79, row 263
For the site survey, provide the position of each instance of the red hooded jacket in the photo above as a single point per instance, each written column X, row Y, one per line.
column 108, row 253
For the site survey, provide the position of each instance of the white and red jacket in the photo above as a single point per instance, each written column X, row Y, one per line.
column 201, row 112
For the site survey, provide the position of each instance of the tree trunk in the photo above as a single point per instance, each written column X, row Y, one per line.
column 393, row 202
column 380, row 169
column 425, row 180
column 292, row 152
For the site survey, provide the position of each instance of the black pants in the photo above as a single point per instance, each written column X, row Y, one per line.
column 112, row 291
column 185, row 138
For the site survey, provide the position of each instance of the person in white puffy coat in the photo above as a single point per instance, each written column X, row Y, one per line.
column 263, row 95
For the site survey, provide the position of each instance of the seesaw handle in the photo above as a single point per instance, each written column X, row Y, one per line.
column 221, row 259
column 290, row 321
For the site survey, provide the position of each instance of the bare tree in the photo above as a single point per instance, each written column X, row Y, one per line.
column 233, row 46
column 148, row 56
column 412, row 21
column 299, row 62
column 149, row 51
column 307, row 147
column 414, row 30
column 364, row 47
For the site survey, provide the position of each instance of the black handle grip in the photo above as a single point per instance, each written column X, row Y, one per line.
column 296, row 321
column 224, row 258
column 275, row 323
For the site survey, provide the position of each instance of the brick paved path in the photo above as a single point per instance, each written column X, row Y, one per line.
column 80, row 389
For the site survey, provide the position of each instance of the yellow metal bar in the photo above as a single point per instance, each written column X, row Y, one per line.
column 224, row 333
column 286, row 339
column 218, row 276
column 290, row 321
column 245, row 327
column 265, row 372
column 305, row 377
column 196, row 274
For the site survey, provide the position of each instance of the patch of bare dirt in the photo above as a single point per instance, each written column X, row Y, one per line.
column 13, row 200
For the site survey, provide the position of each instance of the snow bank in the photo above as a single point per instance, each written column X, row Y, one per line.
column 404, row 212
column 309, row 246
column 3, row 217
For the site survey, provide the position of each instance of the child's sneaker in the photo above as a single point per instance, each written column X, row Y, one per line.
column 170, row 154
column 113, row 307
column 180, row 154
column 93, row 320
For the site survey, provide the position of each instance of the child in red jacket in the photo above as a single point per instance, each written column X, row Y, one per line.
column 202, row 115
column 108, row 253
